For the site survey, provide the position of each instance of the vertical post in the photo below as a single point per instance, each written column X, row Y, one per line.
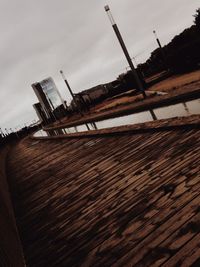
column 68, row 86
column 153, row 115
column 72, row 94
column 95, row 126
column 87, row 127
column 126, row 53
column 157, row 39
column 186, row 108
column 161, row 49
column 70, row 91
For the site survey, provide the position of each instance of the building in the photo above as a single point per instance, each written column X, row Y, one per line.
column 48, row 96
column 42, row 115
column 93, row 95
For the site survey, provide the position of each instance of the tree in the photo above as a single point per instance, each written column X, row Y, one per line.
column 197, row 18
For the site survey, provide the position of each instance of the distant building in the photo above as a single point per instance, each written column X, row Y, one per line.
column 52, row 105
column 94, row 94
column 48, row 96
column 42, row 115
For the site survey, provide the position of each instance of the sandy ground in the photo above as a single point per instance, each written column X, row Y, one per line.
column 175, row 82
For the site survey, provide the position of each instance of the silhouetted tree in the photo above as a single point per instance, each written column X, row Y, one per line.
column 197, row 18
column 182, row 53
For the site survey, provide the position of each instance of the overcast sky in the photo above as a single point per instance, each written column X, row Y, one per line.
column 40, row 37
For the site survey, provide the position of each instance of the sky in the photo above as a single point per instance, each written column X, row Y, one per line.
column 41, row 37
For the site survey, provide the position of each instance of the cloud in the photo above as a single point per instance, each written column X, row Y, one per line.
column 38, row 38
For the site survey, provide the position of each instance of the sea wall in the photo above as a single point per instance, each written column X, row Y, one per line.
column 11, row 253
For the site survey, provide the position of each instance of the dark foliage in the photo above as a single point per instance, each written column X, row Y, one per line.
column 182, row 54
column 197, row 18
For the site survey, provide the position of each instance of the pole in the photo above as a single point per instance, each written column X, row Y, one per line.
column 68, row 86
column 153, row 114
column 72, row 94
column 87, row 127
column 157, row 39
column 161, row 49
column 126, row 53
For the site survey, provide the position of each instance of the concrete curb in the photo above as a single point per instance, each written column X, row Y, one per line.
column 191, row 122
column 152, row 103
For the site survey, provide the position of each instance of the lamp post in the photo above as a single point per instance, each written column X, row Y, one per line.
column 68, row 86
column 157, row 39
column 126, row 53
column 71, row 93
column 161, row 49
column 73, row 96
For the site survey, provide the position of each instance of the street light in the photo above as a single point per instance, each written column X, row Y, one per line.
column 157, row 39
column 68, row 86
column 70, row 90
column 126, row 53
column 161, row 49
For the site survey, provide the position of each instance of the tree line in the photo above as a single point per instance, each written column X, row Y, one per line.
column 182, row 54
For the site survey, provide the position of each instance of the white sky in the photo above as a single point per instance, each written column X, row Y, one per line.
column 40, row 37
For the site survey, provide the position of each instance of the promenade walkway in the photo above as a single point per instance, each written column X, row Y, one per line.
column 125, row 199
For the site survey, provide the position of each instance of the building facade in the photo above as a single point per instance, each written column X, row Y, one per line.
column 42, row 115
column 48, row 96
